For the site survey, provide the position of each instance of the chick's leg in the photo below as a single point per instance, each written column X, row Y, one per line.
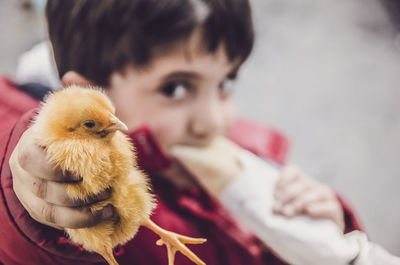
column 175, row 242
column 108, row 255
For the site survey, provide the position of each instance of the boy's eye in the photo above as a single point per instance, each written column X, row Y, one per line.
column 227, row 86
column 174, row 90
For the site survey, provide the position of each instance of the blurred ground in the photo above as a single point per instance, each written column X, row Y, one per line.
column 327, row 74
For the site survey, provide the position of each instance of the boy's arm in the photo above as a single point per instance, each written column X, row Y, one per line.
column 272, row 145
column 371, row 253
column 217, row 167
column 299, row 240
column 296, row 193
column 21, row 237
column 249, row 194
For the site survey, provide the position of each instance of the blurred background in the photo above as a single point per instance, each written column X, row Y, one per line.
column 326, row 73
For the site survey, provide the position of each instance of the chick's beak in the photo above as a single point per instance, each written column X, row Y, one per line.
column 116, row 124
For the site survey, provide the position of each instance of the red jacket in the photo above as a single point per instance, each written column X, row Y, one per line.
column 187, row 211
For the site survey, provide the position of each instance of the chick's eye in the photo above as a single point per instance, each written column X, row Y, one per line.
column 89, row 124
column 174, row 90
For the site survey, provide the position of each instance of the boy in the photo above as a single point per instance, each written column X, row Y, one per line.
column 168, row 65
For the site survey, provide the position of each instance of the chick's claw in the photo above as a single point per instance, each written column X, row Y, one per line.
column 171, row 251
column 175, row 242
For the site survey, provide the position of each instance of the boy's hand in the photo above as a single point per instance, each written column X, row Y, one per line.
column 297, row 193
column 42, row 191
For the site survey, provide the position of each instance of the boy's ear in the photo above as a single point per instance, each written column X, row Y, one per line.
column 73, row 78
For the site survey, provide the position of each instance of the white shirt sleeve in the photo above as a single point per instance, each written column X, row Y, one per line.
column 371, row 253
column 37, row 65
column 300, row 240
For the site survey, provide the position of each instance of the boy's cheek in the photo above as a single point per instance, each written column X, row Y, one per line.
column 230, row 121
column 229, row 117
column 151, row 145
column 166, row 135
column 171, row 128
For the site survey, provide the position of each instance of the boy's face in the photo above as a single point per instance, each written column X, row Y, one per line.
column 183, row 96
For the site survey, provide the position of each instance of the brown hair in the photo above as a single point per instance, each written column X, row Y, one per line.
column 97, row 38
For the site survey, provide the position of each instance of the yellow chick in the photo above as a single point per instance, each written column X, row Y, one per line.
column 81, row 134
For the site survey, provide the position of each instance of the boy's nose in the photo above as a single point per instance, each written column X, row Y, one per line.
column 205, row 125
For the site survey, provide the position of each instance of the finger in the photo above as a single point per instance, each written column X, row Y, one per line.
column 59, row 216
column 288, row 174
column 32, row 159
column 53, row 192
column 322, row 209
column 22, row 198
column 291, row 191
column 327, row 210
column 299, row 204
column 56, row 192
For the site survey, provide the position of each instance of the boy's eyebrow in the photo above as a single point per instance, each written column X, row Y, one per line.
column 182, row 75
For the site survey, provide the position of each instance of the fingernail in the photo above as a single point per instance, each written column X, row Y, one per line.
column 72, row 176
column 105, row 194
column 107, row 212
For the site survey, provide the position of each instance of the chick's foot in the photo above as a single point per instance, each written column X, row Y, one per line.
column 175, row 242
column 108, row 255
